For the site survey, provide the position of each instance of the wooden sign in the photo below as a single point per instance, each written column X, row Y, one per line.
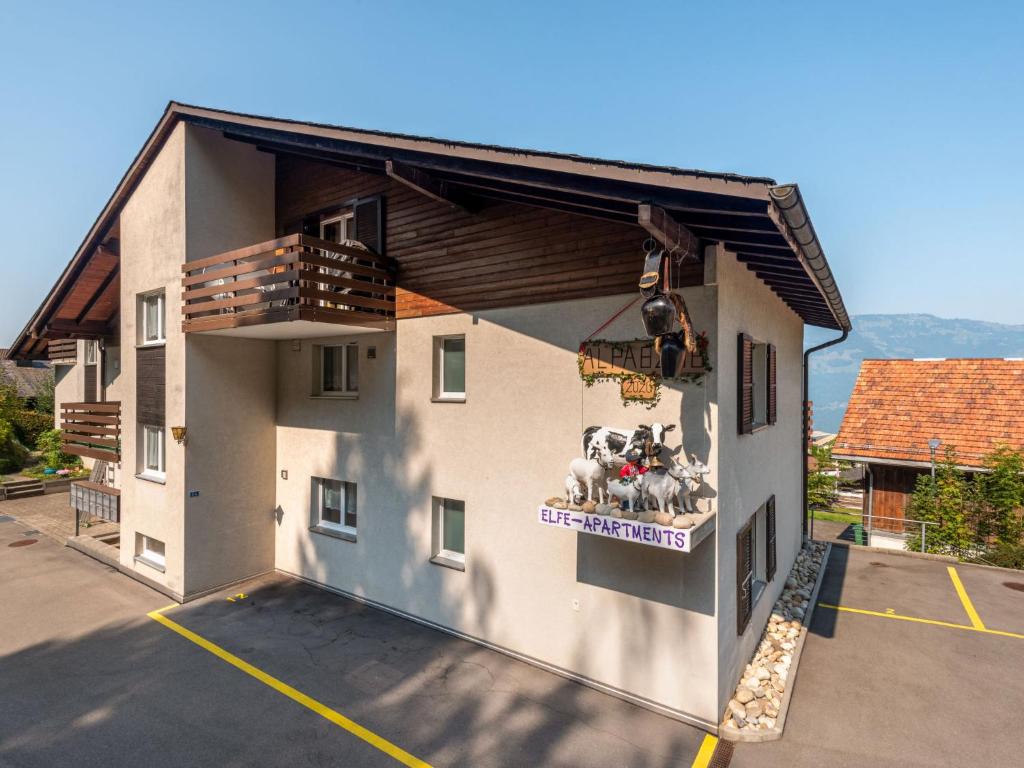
column 639, row 388
column 611, row 359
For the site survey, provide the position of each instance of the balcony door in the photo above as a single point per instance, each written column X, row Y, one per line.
column 337, row 229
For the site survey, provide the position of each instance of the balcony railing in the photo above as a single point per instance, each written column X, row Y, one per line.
column 92, row 430
column 63, row 351
column 297, row 277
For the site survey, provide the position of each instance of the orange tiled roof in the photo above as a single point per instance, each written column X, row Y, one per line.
column 898, row 405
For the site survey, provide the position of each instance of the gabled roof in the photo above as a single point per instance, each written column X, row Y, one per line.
column 766, row 225
column 29, row 379
column 897, row 406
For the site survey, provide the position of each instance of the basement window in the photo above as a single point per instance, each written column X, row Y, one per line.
column 449, row 533
column 150, row 551
column 334, row 507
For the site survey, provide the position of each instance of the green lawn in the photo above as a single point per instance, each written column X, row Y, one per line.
column 837, row 515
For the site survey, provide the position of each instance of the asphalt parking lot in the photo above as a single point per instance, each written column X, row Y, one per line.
column 92, row 673
column 899, row 669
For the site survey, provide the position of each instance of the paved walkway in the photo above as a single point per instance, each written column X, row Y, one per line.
column 905, row 670
column 52, row 515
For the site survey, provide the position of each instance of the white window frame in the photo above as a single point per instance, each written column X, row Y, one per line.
column 319, row 523
column 318, row 384
column 145, row 472
column 441, row 392
column 759, row 375
column 161, row 335
column 348, row 216
column 150, row 556
column 441, row 556
column 92, row 352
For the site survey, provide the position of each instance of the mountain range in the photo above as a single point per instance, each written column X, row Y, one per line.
column 834, row 370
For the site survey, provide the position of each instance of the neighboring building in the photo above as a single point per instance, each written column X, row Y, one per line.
column 30, row 377
column 371, row 342
column 898, row 406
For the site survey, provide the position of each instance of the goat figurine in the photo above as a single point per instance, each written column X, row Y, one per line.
column 691, row 478
column 590, row 473
column 573, row 494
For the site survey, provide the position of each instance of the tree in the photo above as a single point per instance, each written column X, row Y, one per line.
column 946, row 502
column 821, row 486
column 1002, row 495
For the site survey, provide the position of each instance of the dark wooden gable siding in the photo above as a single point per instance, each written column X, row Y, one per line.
column 452, row 261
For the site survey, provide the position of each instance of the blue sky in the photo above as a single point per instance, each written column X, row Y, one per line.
column 904, row 126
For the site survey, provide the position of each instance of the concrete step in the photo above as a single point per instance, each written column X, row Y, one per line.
column 15, row 485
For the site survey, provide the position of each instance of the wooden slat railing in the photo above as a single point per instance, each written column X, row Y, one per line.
column 92, row 430
column 62, row 350
column 297, row 277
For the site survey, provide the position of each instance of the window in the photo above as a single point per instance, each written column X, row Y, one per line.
column 151, row 318
column 334, row 506
column 91, row 352
column 760, row 380
column 449, row 533
column 450, row 368
column 756, row 376
column 152, row 458
column 336, row 370
column 150, row 551
column 338, row 229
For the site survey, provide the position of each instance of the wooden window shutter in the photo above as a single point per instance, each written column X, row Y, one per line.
column 150, row 385
column 769, row 520
column 772, row 410
column 744, row 576
column 91, row 383
column 369, row 223
column 745, row 379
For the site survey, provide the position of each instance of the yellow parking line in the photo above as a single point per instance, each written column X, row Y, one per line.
column 933, row 622
column 323, row 710
column 968, row 605
column 707, row 749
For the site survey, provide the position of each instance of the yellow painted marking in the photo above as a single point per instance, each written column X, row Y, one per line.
column 890, row 611
column 968, row 605
column 308, row 702
column 707, row 749
column 922, row 621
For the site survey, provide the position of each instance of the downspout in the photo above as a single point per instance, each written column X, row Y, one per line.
column 807, row 423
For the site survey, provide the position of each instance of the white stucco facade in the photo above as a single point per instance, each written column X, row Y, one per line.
column 652, row 625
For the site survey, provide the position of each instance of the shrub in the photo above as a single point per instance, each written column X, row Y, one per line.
column 1006, row 555
column 12, row 453
column 28, row 425
column 49, row 444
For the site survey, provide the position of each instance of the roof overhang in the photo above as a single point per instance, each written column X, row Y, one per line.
column 765, row 225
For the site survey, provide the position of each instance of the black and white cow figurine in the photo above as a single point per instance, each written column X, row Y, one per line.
column 609, row 445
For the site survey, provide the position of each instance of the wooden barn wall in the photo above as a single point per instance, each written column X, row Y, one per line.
column 453, row 261
column 892, row 488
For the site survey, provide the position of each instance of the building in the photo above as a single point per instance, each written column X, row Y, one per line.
column 31, row 378
column 899, row 406
column 370, row 349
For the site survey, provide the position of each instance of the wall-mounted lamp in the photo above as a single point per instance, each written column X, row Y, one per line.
column 178, row 433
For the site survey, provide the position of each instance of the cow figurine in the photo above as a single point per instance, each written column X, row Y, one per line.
column 691, row 478
column 590, row 473
column 609, row 445
column 626, row 492
column 573, row 494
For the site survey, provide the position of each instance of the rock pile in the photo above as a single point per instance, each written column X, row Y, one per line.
column 758, row 699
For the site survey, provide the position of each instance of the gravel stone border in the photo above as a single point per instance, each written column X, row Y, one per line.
column 757, row 712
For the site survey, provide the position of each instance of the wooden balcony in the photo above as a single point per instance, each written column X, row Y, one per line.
column 92, row 430
column 62, row 351
column 293, row 287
